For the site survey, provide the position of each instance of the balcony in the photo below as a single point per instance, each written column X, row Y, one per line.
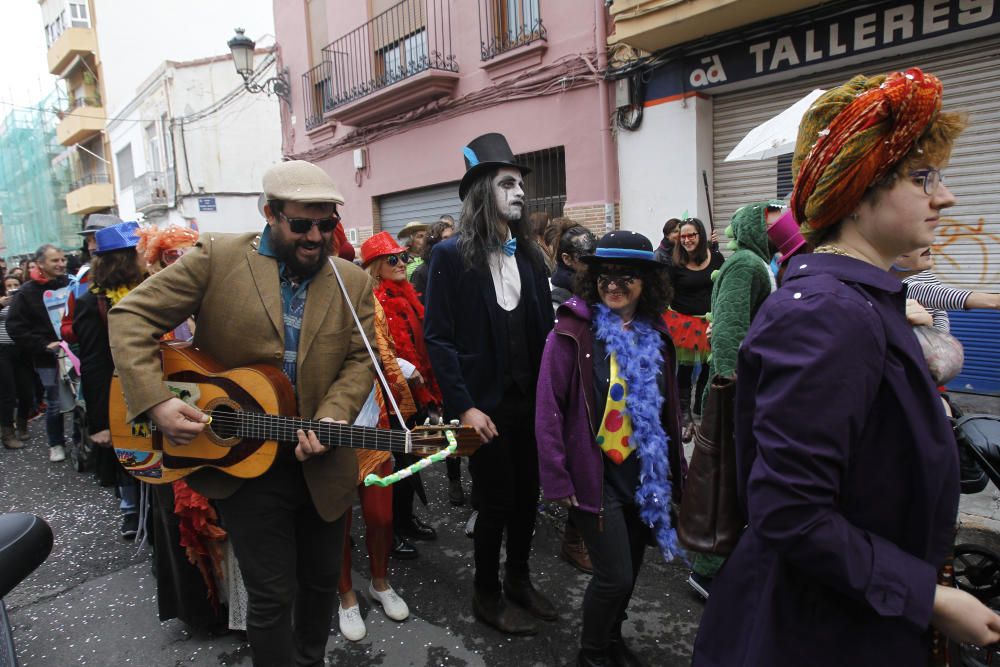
column 91, row 193
column 71, row 43
column 398, row 61
column 84, row 118
column 315, row 94
column 651, row 25
column 505, row 25
column 153, row 192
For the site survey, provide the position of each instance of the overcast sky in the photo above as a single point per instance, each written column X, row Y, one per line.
column 24, row 76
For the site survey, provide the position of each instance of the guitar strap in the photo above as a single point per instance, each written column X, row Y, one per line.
column 371, row 352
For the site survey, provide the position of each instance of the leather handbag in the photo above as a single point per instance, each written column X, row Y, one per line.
column 711, row 518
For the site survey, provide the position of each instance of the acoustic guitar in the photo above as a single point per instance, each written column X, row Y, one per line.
column 250, row 409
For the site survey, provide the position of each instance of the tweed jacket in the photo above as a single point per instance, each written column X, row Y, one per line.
column 234, row 293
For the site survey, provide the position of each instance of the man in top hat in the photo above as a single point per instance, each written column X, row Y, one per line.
column 268, row 298
column 488, row 312
column 412, row 238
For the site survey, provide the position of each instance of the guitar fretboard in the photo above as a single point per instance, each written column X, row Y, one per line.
column 261, row 426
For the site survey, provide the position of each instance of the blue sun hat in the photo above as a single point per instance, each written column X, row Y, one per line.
column 117, row 237
column 624, row 247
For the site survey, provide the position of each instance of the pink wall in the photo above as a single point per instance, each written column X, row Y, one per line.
column 431, row 154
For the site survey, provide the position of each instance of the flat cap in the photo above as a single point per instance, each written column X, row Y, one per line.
column 298, row 180
column 97, row 221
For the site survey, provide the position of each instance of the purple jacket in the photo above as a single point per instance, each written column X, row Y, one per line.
column 848, row 469
column 566, row 419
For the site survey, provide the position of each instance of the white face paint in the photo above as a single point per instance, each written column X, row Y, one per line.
column 508, row 190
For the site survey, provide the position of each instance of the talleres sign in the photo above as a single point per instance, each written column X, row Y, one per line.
column 852, row 32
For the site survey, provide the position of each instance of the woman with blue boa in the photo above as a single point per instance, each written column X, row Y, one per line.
column 608, row 424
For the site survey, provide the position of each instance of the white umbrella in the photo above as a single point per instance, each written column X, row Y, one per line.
column 776, row 136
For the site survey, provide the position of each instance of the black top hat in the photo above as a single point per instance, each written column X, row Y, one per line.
column 624, row 247
column 484, row 154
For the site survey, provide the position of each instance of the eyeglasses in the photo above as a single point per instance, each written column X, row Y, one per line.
column 619, row 279
column 688, row 237
column 304, row 225
column 171, row 255
column 930, row 179
column 393, row 260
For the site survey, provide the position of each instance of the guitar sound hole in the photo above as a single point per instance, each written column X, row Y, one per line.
column 224, row 422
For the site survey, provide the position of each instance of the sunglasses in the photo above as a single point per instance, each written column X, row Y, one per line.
column 620, row 280
column 304, row 225
column 393, row 260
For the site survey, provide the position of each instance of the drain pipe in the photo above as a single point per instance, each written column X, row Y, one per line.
column 609, row 159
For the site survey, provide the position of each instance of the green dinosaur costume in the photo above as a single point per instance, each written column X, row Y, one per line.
column 738, row 290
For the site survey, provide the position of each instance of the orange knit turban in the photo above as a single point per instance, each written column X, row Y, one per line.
column 852, row 136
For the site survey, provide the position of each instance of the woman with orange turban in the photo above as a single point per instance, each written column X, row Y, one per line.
column 847, row 466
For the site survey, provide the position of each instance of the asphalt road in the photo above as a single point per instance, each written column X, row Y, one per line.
column 93, row 602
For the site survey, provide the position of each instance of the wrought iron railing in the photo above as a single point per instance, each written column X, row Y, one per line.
column 89, row 179
column 508, row 24
column 315, row 93
column 408, row 38
column 152, row 190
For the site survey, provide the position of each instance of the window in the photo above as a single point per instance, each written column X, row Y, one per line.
column 154, row 162
column 405, row 57
column 508, row 24
column 545, row 186
column 126, row 174
column 168, row 144
column 79, row 17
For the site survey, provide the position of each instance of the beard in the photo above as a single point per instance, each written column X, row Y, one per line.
column 286, row 251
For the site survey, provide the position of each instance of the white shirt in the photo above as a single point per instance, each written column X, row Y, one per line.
column 506, row 279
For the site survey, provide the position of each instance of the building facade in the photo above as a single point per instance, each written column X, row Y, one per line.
column 34, row 180
column 385, row 95
column 192, row 146
column 71, row 35
column 697, row 98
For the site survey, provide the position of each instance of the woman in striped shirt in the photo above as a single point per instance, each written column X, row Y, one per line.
column 924, row 287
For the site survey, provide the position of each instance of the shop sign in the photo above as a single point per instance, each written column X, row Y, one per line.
column 857, row 31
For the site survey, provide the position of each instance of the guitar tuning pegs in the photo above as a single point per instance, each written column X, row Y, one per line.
column 455, row 423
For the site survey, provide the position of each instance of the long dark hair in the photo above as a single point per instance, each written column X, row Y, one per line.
column 115, row 269
column 656, row 290
column 480, row 224
column 700, row 254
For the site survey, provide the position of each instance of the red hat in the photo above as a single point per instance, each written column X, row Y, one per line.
column 380, row 245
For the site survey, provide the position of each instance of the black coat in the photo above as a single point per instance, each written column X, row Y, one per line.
column 96, row 365
column 461, row 327
column 28, row 322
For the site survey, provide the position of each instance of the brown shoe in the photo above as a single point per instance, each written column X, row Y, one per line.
column 574, row 551
column 10, row 440
column 490, row 608
column 518, row 588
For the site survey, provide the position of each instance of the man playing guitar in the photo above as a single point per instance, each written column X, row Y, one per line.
column 268, row 298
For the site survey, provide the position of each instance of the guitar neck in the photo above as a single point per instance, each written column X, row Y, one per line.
column 260, row 426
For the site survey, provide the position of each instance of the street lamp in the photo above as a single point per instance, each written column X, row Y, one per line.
column 242, row 48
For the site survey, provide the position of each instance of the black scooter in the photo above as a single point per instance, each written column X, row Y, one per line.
column 25, row 543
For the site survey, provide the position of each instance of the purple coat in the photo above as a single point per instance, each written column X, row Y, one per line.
column 566, row 419
column 848, row 470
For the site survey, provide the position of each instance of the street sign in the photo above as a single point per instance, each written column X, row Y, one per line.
column 206, row 204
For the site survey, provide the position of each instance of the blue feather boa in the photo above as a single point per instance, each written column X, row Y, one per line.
column 639, row 350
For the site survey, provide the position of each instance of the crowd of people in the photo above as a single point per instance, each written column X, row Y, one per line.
column 582, row 365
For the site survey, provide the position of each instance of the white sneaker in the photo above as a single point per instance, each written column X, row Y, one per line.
column 392, row 604
column 57, row 454
column 352, row 626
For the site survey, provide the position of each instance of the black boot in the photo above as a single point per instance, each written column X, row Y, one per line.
column 622, row 655
column 518, row 588
column 490, row 608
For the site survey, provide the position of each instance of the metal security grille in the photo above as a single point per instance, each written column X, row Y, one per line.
column 508, row 24
column 545, row 186
column 424, row 205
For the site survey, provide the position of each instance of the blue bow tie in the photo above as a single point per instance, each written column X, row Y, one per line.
column 510, row 247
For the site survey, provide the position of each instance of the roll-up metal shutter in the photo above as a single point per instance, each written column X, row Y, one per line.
column 425, row 205
column 979, row 332
column 968, row 239
column 968, row 251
